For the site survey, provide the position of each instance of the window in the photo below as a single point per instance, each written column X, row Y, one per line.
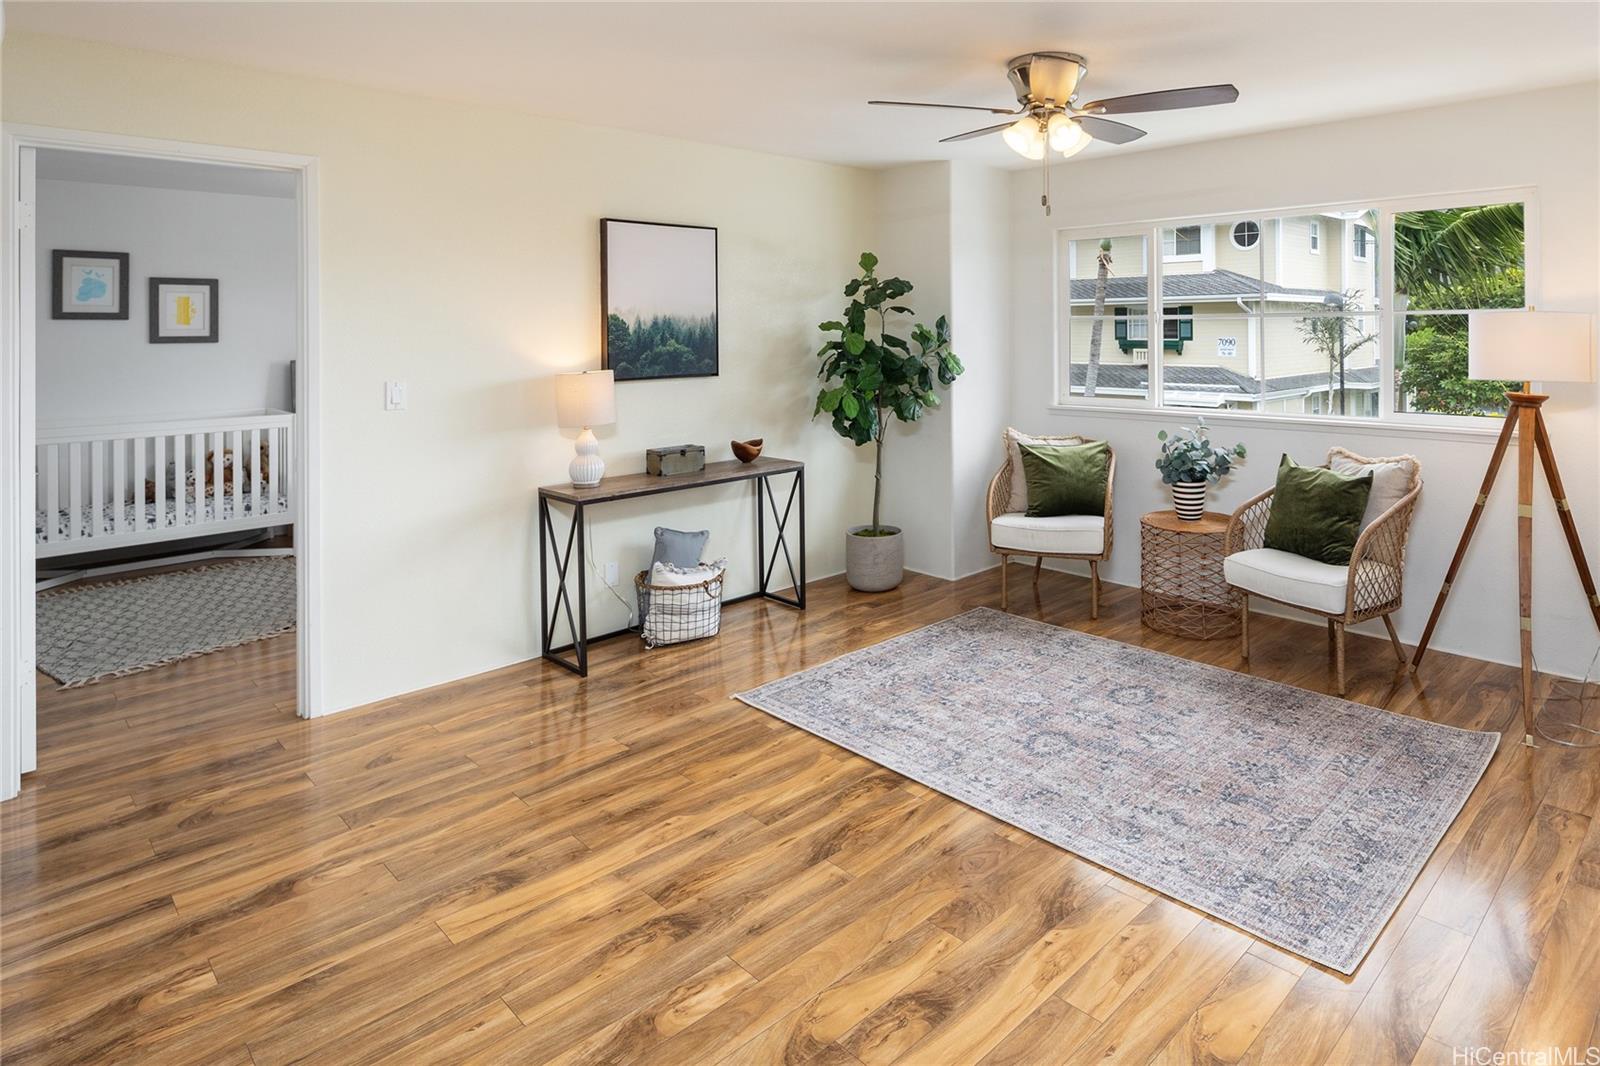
column 1361, row 243
column 1449, row 262
column 1262, row 323
column 1184, row 240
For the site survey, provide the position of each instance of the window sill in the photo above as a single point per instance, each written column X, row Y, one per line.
column 1307, row 423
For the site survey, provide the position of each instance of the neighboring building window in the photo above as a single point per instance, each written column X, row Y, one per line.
column 1316, row 237
column 1184, row 240
column 1246, row 234
column 1133, row 330
column 1361, row 244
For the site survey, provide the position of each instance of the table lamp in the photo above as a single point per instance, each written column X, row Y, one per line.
column 585, row 400
column 1541, row 346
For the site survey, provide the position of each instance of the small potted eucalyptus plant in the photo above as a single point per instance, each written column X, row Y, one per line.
column 870, row 375
column 1190, row 463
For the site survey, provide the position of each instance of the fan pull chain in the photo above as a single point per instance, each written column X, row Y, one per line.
column 1044, row 198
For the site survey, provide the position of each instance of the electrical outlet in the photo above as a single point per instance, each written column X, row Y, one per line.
column 394, row 396
column 612, row 574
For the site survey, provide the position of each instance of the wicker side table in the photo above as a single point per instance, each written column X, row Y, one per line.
column 1181, row 589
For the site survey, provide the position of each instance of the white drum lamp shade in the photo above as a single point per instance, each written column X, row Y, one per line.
column 1530, row 346
column 585, row 400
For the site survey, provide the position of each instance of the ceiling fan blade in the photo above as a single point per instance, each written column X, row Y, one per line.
column 1103, row 129
column 953, row 107
column 970, row 134
column 1163, row 100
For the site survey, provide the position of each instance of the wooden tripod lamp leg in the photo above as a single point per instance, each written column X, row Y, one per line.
column 1466, row 535
column 1527, row 415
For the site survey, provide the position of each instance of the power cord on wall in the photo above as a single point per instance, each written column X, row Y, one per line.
column 1582, row 694
column 588, row 557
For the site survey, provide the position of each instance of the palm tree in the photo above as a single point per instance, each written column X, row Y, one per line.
column 1102, row 260
column 1442, row 258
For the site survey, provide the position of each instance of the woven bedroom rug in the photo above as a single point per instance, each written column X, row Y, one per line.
column 1298, row 817
column 122, row 627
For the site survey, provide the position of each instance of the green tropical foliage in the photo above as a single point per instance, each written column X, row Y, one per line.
column 870, row 374
column 665, row 346
column 1433, row 372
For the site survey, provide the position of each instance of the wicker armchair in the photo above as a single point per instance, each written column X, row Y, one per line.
column 1371, row 585
column 1011, row 532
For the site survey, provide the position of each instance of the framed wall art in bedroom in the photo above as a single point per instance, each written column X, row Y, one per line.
column 183, row 310
column 88, row 285
column 658, row 299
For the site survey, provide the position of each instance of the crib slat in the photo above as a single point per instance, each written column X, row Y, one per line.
column 180, row 445
column 255, row 471
column 75, row 486
column 138, row 483
column 119, row 485
column 199, row 466
column 216, row 477
column 238, row 474
column 159, row 467
column 274, row 471
column 52, row 490
column 97, row 479
column 289, row 490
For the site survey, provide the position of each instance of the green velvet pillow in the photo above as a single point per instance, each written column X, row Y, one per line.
column 1066, row 478
column 1317, row 513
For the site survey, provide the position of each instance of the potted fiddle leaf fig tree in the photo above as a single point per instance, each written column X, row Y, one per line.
column 869, row 375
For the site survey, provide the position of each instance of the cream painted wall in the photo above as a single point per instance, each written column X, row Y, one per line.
column 1437, row 150
column 459, row 251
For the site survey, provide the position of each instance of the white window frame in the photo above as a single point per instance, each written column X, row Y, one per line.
column 1316, row 236
column 1355, row 241
column 1233, row 234
column 1176, row 256
column 1470, row 427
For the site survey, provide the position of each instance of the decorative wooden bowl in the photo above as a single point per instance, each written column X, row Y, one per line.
column 746, row 450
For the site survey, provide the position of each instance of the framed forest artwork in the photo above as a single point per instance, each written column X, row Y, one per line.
column 658, row 298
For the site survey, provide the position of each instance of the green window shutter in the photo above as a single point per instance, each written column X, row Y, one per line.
column 1186, row 323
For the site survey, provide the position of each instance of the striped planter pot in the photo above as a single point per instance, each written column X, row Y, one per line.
column 1189, row 500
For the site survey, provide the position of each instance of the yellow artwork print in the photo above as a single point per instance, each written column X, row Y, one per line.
column 185, row 311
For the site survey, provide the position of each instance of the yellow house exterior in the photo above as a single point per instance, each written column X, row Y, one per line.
column 1253, row 311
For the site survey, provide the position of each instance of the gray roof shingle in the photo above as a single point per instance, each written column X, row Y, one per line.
column 1221, row 284
column 1212, row 378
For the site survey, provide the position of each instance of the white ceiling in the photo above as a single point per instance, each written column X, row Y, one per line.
column 57, row 164
column 792, row 78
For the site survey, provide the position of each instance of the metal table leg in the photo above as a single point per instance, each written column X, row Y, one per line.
column 550, row 614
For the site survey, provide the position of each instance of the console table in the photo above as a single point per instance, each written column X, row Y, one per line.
column 631, row 486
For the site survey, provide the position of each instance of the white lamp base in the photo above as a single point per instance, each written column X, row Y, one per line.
column 587, row 468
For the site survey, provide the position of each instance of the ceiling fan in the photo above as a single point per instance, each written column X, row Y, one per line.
column 1046, row 85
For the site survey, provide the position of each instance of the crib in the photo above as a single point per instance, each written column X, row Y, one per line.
column 116, row 485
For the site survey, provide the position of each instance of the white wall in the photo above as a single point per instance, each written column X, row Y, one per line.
column 913, row 226
column 980, row 247
column 1414, row 153
column 109, row 369
column 460, row 251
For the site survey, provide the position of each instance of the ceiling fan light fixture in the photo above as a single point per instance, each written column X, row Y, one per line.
column 1025, row 138
column 1066, row 136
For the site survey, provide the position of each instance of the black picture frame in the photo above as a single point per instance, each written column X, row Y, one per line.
column 617, row 362
column 214, row 310
column 58, row 264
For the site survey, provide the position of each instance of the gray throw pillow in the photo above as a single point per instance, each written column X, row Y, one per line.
column 677, row 547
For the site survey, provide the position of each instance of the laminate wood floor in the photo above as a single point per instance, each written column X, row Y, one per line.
column 524, row 867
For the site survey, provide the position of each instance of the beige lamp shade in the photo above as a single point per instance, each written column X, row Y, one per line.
column 586, row 399
column 1530, row 346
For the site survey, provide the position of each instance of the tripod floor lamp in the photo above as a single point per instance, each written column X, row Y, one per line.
column 1543, row 346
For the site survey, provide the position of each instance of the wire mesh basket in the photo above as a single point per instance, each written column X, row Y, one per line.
column 673, row 614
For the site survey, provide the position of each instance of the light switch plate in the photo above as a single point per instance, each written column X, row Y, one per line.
column 612, row 574
column 394, row 396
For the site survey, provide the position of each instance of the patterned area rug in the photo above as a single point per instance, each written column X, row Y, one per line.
column 99, row 631
column 1298, row 817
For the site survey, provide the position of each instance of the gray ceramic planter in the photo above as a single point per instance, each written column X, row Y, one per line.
column 874, row 564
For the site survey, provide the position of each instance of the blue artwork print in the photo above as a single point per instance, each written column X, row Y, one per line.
column 92, row 285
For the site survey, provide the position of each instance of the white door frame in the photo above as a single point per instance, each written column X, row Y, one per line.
column 16, row 425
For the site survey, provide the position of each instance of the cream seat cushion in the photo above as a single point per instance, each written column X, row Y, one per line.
column 1067, row 534
column 1294, row 579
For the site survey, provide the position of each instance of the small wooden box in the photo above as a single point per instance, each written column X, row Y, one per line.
column 675, row 459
